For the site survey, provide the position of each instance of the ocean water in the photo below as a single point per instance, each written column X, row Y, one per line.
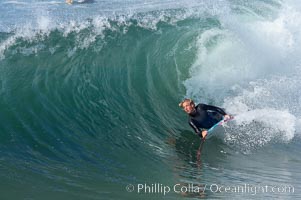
column 89, row 98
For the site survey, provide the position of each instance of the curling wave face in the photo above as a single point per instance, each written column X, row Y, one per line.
column 89, row 99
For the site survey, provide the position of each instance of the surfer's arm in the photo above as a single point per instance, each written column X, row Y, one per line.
column 195, row 128
column 201, row 133
column 214, row 108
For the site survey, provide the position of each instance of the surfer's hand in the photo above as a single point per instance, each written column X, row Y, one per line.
column 227, row 117
column 204, row 134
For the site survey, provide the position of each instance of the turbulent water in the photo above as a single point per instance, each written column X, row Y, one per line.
column 90, row 92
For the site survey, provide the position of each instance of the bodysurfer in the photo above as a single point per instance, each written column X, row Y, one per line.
column 202, row 117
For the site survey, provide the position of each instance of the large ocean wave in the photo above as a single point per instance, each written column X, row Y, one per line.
column 89, row 102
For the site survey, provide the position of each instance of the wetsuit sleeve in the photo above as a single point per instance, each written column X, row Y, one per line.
column 196, row 130
column 214, row 108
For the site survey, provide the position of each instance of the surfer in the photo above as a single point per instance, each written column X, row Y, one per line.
column 202, row 117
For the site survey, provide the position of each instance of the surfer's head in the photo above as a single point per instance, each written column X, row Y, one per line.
column 188, row 106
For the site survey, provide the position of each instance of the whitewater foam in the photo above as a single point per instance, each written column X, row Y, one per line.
column 251, row 68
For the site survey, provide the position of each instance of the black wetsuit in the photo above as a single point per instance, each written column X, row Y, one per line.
column 204, row 117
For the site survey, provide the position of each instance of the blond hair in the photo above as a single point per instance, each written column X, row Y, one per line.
column 186, row 100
